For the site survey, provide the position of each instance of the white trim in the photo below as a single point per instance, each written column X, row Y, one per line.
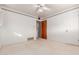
column 14, row 11
column 64, row 11
column 35, row 31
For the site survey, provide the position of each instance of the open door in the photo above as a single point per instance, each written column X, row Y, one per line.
column 44, row 29
column 38, row 24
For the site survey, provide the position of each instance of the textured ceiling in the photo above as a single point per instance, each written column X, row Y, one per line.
column 31, row 9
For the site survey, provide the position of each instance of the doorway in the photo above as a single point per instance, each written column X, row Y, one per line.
column 42, row 29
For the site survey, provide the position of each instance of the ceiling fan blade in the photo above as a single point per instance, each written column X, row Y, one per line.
column 45, row 8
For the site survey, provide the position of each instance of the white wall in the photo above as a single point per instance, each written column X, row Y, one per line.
column 64, row 27
column 15, row 27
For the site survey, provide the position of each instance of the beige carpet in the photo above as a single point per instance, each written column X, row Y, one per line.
column 39, row 47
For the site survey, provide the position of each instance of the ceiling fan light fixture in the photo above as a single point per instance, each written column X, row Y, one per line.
column 35, row 5
column 40, row 10
column 42, row 5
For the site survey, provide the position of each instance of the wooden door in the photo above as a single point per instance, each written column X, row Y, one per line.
column 44, row 29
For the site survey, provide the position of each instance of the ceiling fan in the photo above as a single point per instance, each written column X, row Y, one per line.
column 41, row 8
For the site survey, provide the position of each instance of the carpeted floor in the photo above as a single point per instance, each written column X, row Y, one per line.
column 37, row 47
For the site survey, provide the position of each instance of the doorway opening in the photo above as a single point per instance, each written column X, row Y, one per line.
column 42, row 29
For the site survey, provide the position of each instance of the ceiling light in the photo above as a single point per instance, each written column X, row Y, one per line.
column 36, row 6
column 39, row 5
column 42, row 5
column 40, row 10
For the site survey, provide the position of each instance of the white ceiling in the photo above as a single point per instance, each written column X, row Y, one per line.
column 31, row 9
